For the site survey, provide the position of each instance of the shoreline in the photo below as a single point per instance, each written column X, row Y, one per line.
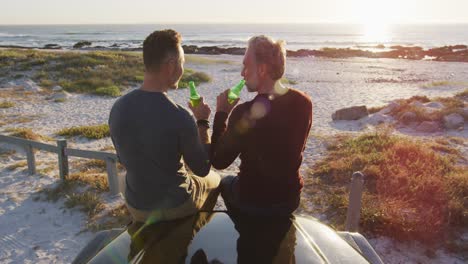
column 456, row 53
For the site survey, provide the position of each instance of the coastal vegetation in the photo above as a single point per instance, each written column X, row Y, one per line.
column 411, row 186
column 6, row 104
column 96, row 72
column 90, row 132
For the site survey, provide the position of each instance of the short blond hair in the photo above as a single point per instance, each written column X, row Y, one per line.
column 271, row 53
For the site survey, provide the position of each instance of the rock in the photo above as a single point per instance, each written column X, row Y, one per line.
column 379, row 118
column 52, row 46
column 453, row 121
column 30, row 85
column 390, row 107
column 351, row 113
column 60, row 96
column 408, row 117
column 57, row 88
column 428, row 127
column 81, row 44
column 435, row 105
column 416, row 104
column 465, row 113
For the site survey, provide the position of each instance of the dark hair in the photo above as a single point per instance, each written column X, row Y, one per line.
column 158, row 46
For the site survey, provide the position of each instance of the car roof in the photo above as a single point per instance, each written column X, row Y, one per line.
column 215, row 237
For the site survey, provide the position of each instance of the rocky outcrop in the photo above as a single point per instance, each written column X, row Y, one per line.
column 453, row 121
column 29, row 85
column 52, row 46
column 351, row 113
column 408, row 117
column 428, row 127
column 60, row 96
column 81, row 44
column 212, row 50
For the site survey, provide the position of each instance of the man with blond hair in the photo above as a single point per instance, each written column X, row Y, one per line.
column 269, row 133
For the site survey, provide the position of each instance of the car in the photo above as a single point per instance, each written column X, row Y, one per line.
column 217, row 237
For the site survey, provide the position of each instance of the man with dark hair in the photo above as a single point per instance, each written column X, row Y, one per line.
column 269, row 133
column 152, row 134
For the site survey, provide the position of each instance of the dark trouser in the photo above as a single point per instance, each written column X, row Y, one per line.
column 232, row 201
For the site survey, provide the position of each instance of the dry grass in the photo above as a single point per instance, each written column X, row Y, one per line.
column 410, row 188
column 206, row 61
column 27, row 133
column 108, row 148
column 88, row 202
column 90, row 132
column 17, row 119
column 97, row 181
column 6, row 104
column 451, row 105
column 82, row 72
column 115, row 218
column 5, row 153
column 19, row 164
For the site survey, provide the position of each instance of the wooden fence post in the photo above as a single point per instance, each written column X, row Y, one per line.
column 31, row 159
column 354, row 207
column 62, row 158
column 111, row 166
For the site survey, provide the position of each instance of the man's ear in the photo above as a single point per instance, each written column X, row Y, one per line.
column 262, row 70
column 170, row 67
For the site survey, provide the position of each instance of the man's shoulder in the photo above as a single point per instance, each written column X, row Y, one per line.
column 300, row 96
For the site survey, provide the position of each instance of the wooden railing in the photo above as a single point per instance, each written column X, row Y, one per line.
column 63, row 153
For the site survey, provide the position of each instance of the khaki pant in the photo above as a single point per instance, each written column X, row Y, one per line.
column 203, row 198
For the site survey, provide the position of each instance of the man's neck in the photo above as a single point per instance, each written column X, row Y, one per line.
column 272, row 88
column 153, row 83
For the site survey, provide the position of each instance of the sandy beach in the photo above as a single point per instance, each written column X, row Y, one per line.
column 43, row 232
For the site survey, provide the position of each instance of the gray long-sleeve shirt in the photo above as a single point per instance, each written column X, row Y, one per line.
column 151, row 134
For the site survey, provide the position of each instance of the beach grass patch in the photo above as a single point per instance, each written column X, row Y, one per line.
column 88, row 202
column 451, row 105
column 60, row 100
column 7, row 104
column 27, row 133
column 437, row 84
column 410, row 187
column 90, row 132
column 196, row 77
column 46, row 83
column 4, row 153
column 19, row 164
column 463, row 95
column 81, row 72
column 112, row 91
column 206, row 61
column 97, row 181
column 116, row 218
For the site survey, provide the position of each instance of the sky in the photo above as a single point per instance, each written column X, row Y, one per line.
column 234, row 11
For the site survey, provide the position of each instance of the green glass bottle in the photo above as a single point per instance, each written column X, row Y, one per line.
column 194, row 96
column 235, row 91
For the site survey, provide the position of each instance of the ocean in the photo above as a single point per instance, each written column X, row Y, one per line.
column 297, row 36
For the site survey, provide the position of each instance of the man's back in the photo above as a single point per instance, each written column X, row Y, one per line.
column 270, row 135
column 151, row 133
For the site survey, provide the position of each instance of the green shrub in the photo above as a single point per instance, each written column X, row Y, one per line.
column 113, row 91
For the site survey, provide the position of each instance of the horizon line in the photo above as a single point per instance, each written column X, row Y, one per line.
column 240, row 23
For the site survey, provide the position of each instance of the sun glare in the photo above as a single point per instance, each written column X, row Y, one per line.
column 375, row 18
